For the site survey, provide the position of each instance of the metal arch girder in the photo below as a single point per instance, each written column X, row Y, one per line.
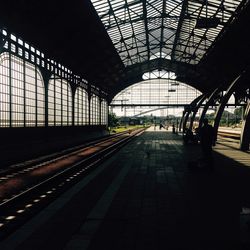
column 181, row 121
column 210, row 101
column 245, row 132
column 242, row 95
column 184, row 119
column 161, row 63
column 133, row 74
column 189, row 109
column 196, row 108
column 224, row 101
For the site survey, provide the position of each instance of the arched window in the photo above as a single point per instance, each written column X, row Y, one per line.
column 59, row 102
column 94, row 110
column 81, row 107
column 104, row 112
column 22, row 94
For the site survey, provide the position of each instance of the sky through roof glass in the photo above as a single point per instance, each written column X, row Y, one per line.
column 177, row 30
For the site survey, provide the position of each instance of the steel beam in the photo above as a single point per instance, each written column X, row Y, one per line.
column 210, row 101
column 245, row 132
column 189, row 110
column 181, row 121
column 178, row 31
column 195, row 110
column 224, row 102
column 149, row 105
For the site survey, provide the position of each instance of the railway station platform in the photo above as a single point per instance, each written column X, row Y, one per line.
column 146, row 197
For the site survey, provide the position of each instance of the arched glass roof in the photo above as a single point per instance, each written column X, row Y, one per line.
column 176, row 30
column 153, row 94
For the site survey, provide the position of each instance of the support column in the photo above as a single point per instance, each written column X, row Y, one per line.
column 207, row 105
column 184, row 126
column 189, row 109
column 100, row 111
column 89, row 102
column 203, row 97
column 46, row 77
column 73, row 91
column 182, row 119
column 245, row 132
column 224, row 102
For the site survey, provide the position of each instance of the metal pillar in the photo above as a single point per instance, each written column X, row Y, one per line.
column 209, row 103
column 203, row 97
column 185, row 118
column 73, row 91
column 224, row 102
column 89, row 103
column 181, row 121
column 245, row 132
column 46, row 78
column 100, row 110
column 188, row 110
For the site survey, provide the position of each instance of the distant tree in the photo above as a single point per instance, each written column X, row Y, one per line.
column 113, row 120
column 238, row 112
column 210, row 117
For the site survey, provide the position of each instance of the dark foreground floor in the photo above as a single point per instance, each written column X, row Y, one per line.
column 145, row 197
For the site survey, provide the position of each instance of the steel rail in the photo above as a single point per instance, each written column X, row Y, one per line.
column 40, row 161
column 10, row 206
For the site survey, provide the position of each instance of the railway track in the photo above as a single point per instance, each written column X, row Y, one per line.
column 229, row 134
column 30, row 164
column 26, row 189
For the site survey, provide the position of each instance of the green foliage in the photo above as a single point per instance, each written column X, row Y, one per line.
column 113, row 120
column 227, row 119
column 238, row 111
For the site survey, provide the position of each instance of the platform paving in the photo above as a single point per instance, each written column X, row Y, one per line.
column 146, row 197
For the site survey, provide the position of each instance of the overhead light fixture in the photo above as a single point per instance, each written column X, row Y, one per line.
column 207, row 23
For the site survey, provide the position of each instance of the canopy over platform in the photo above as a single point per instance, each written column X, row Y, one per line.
column 112, row 43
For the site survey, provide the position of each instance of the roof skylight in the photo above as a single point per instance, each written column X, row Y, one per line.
column 177, row 30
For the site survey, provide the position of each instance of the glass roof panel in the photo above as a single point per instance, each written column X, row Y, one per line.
column 183, row 30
